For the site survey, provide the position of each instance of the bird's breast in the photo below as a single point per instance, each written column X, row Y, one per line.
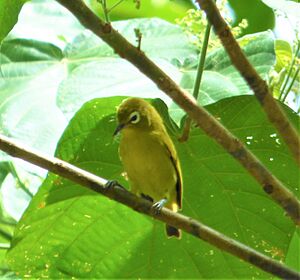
column 147, row 163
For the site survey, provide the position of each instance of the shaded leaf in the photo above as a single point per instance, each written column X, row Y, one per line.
column 77, row 233
column 259, row 16
column 9, row 11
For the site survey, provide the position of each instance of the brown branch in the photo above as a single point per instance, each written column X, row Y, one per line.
column 256, row 83
column 125, row 197
column 271, row 185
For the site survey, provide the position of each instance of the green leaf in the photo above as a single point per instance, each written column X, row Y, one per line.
column 167, row 10
column 7, row 223
column 95, row 70
column 29, row 50
column 284, row 55
column 9, row 11
column 292, row 257
column 70, row 231
column 28, row 108
column 259, row 16
column 38, row 16
column 221, row 79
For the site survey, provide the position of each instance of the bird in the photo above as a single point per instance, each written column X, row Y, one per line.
column 149, row 157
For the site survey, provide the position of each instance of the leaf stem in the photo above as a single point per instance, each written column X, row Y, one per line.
column 200, row 68
column 114, row 6
column 105, row 10
column 289, row 72
column 291, row 84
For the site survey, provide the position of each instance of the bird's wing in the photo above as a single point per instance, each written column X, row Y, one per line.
column 173, row 156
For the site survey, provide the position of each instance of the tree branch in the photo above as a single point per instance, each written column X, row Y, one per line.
column 256, row 83
column 141, row 205
column 271, row 185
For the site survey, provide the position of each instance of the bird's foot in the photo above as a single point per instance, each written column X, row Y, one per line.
column 112, row 184
column 157, row 206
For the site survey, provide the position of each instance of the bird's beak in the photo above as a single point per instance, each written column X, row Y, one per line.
column 119, row 128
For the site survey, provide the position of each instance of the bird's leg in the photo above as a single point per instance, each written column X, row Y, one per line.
column 112, row 184
column 157, row 206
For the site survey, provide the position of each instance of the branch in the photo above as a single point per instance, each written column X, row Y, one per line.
column 271, row 185
column 144, row 206
column 256, row 83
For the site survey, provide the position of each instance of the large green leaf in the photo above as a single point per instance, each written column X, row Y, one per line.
column 28, row 108
column 69, row 231
column 220, row 78
column 46, row 20
column 87, row 67
column 95, row 70
column 9, row 11
column 30, row 74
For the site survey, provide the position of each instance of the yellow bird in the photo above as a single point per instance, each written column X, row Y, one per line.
column 149, row 156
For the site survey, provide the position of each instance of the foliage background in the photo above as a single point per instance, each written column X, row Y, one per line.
column 48, row 75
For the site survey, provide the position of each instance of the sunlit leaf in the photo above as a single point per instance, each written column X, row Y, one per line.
column 288, row 7
column 221, row 79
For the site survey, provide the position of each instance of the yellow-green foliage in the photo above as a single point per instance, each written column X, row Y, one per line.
column 194, row 23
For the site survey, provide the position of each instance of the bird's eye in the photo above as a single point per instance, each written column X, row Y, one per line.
column 134, row 117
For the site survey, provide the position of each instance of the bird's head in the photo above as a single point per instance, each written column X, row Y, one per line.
column 136, row 113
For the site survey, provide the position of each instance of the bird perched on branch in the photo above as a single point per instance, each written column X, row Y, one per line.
column 149, row 156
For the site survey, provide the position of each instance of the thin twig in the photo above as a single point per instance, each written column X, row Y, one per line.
column 144, row 206
column 295, row 56
column 200, row 68
column 138, row 35
column 270, row 184
column 291, row 84
column 105, row 10
column 256, row 83
column 186, row 130
column 114, row 6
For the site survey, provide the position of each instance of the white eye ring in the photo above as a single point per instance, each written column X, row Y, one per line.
column 134, row 117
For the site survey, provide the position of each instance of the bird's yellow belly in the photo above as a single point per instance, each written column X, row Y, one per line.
column 149, row 167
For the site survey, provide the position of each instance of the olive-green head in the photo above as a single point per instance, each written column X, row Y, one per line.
column 136, row 113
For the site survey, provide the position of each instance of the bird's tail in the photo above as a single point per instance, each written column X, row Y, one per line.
column 172, row 231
